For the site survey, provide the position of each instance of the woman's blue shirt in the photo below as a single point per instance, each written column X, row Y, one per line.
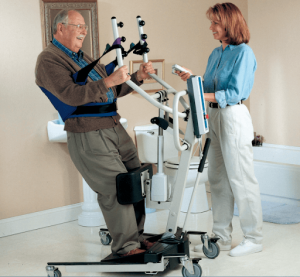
column 230, row 74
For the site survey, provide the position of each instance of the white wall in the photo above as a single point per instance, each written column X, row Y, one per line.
column 274, row 26
column 35, row 175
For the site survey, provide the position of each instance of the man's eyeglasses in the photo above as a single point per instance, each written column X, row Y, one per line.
column 79, row 26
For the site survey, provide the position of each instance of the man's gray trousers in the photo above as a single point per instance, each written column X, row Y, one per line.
column 100, row 156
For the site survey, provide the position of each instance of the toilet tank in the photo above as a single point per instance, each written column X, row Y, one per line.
column 146, row 137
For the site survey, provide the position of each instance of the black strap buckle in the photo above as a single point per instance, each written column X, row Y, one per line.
column 139, row 49
column 96, row 109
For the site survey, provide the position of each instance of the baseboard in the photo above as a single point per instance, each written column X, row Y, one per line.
column 33, row 221
column 277, row 169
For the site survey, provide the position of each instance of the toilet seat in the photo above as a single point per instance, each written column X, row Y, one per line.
column 174, row 163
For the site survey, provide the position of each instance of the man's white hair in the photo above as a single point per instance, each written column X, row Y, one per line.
column 61, row 17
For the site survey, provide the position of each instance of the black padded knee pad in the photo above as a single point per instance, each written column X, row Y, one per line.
column 129, row 186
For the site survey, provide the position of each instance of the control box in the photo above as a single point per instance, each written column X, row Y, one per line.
column 176, row 67
column 197, row 103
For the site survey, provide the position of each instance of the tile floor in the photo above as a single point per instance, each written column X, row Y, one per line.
column 27, row 254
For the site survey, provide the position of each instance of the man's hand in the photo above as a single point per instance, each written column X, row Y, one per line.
column 120, row 76
column 143, row 71
column 183, row 75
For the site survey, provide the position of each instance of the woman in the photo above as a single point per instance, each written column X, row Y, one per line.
column 228, row 81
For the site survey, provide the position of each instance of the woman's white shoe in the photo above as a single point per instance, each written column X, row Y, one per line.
column 246, row 247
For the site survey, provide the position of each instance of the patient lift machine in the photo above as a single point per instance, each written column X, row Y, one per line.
column 172, row 247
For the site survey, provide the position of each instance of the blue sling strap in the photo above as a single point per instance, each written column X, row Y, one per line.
column 80, row 77
column 66, row 111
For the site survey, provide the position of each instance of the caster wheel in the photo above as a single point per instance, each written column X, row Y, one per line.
column 197, row 271
column 202, row 240
column 214, row 253
column 57, row 273
column 107, row 240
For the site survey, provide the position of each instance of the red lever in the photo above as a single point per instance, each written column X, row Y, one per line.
column 207, row 117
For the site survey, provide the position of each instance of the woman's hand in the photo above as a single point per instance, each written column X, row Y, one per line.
column 210, row 97
column 143, row 71
column 184, row 75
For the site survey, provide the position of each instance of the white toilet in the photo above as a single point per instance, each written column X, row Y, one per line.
column 146, row 137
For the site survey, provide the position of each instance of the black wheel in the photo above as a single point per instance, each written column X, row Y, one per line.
column 57, row 273
column 197, row 271
column 214, row 253
column 107, row 240
column 202, row 239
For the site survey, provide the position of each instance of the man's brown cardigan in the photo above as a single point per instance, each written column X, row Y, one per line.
column 54, row 70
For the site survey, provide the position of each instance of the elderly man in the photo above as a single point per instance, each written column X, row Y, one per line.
column 99, row 146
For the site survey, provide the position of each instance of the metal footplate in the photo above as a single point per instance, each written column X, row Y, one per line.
column 150, row 268
column 167, row 252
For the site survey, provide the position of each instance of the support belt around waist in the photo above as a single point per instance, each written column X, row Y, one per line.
column 96, row 109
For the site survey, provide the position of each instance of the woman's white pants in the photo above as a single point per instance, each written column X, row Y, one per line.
column 231, row 173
